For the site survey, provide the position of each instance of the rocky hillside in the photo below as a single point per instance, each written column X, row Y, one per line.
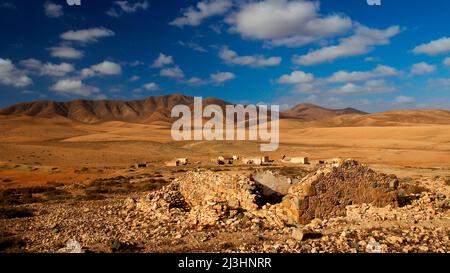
column 151, row 109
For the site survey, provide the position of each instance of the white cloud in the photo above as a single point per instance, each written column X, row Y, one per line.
column 435, row 47
column 422, row 68
column 47, row 69
column 370, row 59
column 126, row 7
column 173, row 72
column 308, row 83
column 296, row 77
column 106, row 68
column 312, row 87
column 134, row 78
column 74, row 87
column 370, row 86
column 53, row 10
column 151, row 86
column 195, row 81
column 162, row 61
column 232, row 58
column 290, row 23
column 66, row 52
column 441, row 83
column 403, row 99
column 354, row 76
column 363, row 41
column 87, row 35
column 447, row 61
column 10, row 75
column 193, row 46
column 204, row 9
column 135, row 63
column 221, row 77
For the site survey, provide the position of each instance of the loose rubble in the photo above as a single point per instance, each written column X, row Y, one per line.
column 344, row 207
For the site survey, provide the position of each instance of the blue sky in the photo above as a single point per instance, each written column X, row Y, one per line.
column 331, row 53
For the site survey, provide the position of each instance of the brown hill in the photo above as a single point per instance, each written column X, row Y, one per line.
column 390, row 118
column 151, row 109
column 155, row 109
column 311, row 112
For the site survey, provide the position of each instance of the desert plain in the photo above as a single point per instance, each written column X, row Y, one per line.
column 65, row 179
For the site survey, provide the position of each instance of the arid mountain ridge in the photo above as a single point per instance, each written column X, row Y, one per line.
column 158, row 109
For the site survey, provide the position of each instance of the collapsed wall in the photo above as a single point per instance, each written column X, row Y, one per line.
column 326, row 193
column 210, row 197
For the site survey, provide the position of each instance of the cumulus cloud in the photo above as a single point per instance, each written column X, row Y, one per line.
column 221, row 77
column 296, row 77
column 194, row 16
column 90, row 35
column 289, row 23
column 10, row 75
column 370, row 86
column 363, row 41
column 354, row 76
column 195, row 81
column 192, row 45
column 151, row 86
column 162, row 61
column 53, row 10
column 134, row 78
column 66, row 52
column 106, row 68
column 308, row 83
column 74, row 87
column 232, row 58
column 370, row 59
column 435, row 47
column 422, row 68
column 121, row 7
column 441, row 83
column 173, row 72
column 403, row 99
column 47, row 69
column 447, row 61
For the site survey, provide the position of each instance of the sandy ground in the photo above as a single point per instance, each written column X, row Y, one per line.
column 37, row 150
column 43, row 152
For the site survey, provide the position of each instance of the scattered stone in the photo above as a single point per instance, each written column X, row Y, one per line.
column 300, row 234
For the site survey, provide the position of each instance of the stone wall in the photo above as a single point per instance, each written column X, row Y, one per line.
column 326, row 193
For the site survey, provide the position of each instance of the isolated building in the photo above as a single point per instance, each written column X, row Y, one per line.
column 140, row 165
column 222, row 160
column 259, row 160
column 177, row 162
column 296, row 160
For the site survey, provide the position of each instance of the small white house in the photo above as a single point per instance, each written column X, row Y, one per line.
column 296, row 160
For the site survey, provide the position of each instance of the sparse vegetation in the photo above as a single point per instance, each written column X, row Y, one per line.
column 11, row 212
column 114, row 245
column 122, row 185
column 447, row 181
column 95, row 190
column 11, row 244
column 412, row 189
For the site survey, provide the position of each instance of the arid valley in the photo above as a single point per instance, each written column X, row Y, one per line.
column 68, row 174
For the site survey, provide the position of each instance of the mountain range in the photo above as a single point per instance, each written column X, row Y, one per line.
column 157, row 109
